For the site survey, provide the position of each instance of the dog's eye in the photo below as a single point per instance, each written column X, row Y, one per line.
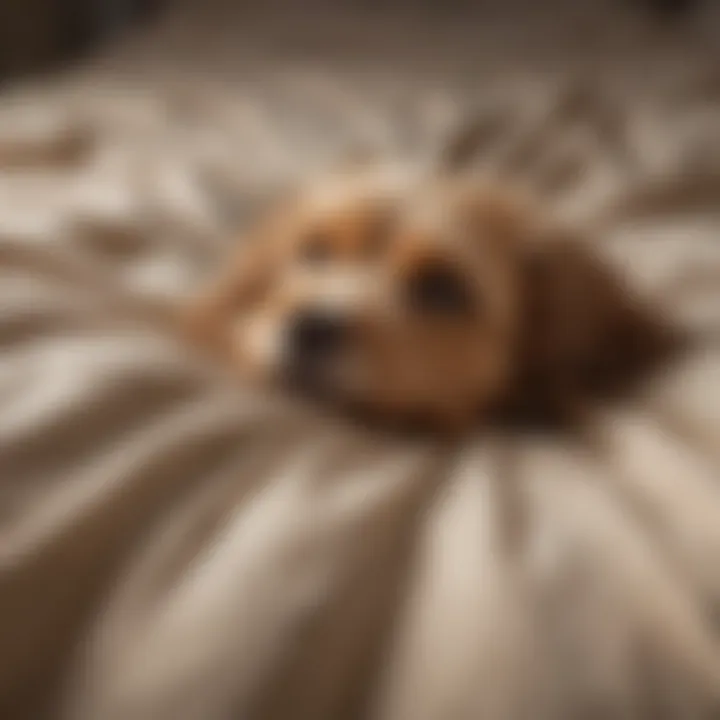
column 439, row 291
column 315, row 248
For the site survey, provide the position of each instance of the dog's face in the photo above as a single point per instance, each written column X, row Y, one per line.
column 380, row 294
column 421, row 300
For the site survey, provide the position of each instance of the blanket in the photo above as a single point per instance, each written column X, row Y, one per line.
column 177, row 546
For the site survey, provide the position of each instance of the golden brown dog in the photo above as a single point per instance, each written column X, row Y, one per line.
column 439, row 298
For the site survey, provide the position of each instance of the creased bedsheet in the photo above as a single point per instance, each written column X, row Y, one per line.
column 174, row 546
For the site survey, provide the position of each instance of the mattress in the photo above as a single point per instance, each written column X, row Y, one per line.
column 177, row 546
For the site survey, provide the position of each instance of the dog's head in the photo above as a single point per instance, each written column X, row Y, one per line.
column 430, row 299
column 378, row 291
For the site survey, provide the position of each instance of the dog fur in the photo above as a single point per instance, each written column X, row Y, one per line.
column 545, row 325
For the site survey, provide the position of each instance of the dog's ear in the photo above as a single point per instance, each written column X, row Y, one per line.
column 243, row 282
column 585, row 332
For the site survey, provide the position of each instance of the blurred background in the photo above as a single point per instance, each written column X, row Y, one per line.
column 42, row 35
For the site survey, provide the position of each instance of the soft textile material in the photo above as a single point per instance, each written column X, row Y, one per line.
column 174, row 546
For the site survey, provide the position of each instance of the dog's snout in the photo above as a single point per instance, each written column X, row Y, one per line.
column 315, row 335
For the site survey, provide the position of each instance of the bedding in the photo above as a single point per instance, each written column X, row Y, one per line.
column 175, row 546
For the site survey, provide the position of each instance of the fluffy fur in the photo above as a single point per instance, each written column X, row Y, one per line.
column 456, row 300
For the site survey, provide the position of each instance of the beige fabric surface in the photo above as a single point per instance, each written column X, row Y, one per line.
column 174, row 546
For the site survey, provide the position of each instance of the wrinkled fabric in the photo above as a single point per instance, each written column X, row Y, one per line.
column 176, row 546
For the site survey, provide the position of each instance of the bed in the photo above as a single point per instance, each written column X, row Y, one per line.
column 175, row 546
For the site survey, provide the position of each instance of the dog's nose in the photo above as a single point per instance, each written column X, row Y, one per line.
column 316, row 335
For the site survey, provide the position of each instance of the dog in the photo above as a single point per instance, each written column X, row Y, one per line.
column 436, row 299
